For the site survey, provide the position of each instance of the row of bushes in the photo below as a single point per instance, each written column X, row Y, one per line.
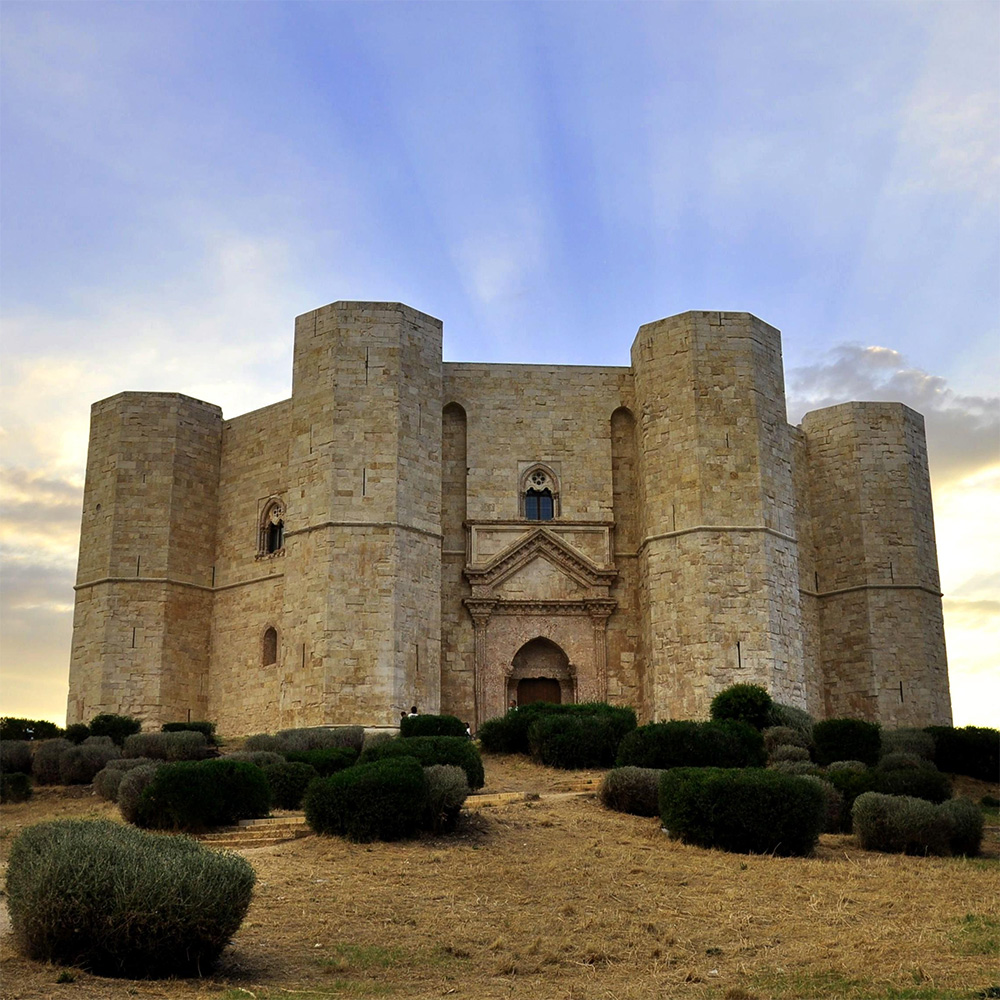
column 117, row 727
column 764, row 812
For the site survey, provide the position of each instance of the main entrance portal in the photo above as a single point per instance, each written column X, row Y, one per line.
column 541, row 671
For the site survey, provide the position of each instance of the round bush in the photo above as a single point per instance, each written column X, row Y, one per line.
column 115, row 726
column 788, row 752
column 850, row 784
column 910, row 741
column 326, row 760
column 748, row 703
column 260, row 742
column 917, row 782
column 430, row 750
column 199, row 795
column 431, row 725
column 79, row 764
column 509, row 733
column 748, row 811
column 77, row 732
column 118, row 902
column 574, row 741
column 109, row 778
column 858, row 766
column 846, row 739
column 634, row 790
column 783, row 736
column 966, row 822
column 971, row 750
column 14, row 787
column 900, row 761
column 899, row 824
column 373, row 738
column 833, row 820
column 288, row 782
column 258, row 757
column 447, row 790
column 187, row 745
column 45, row 764
column 792, row 717
column 692, row 744
column 207, row 729
column 130, row 789
column 15, row 755
column 382, row 800
column 320, row 738
column 792, row 767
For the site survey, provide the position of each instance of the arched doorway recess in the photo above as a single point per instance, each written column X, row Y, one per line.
column 541, row 671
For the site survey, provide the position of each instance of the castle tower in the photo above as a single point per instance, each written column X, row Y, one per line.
column 362, row 593
column 144, row 580
column 718, row 556
column 881, row 629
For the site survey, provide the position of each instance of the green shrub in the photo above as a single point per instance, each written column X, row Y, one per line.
column 846, row 739
column 447, row 790
column 15, row 755
column 692, row 744
column 77, row 732
column 381, row 800
column 130, row 789
column 784, row 736
column 373, row 738
column 185, row 745
column 902, row 761
column 850, row 783
column 431, row 725
column 115, row 726
column 971, row 750
column 912, row 741
column 261, row 742
column 28, row 729
column 793, row 767
column 792, row 717
column 748, row 811
column 119, row 902
column 858, row 766
column 899, row 824
column 45, row 763
column 326, row 760
column 15, row 786
column 288, row 782
column 321, row 738
column 966, row 822
column 574, row 741
column 788, row 752
column 833, row 817
column 917, row 782
column 748, row 703
column 258, row 757
column 430, row 750
column 79, row 764
column 634, row 790
column 207, row 729
column 108, row 779
column 509, row 733
column 199, row 795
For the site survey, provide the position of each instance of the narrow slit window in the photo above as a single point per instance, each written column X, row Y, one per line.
column 269, row 646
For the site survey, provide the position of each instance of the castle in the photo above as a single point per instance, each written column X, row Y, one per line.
column 407, row 531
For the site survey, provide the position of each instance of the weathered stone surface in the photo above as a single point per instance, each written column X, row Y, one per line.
column 375, row 521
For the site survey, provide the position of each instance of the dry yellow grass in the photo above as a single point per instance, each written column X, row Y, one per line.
column 558, row 898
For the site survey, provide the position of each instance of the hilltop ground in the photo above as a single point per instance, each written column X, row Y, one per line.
column 556, row 898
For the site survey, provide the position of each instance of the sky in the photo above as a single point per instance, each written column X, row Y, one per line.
column 178, row 181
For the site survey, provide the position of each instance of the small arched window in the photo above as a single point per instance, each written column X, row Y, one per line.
column 269, row 646
column 271, row 534
column 539, row 494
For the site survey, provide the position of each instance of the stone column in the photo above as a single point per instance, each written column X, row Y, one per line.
column 599, row 614
column 480, row 612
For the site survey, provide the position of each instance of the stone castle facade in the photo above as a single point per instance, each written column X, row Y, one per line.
column 406, row 531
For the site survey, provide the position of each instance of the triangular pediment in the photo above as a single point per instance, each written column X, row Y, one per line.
column 538, row 559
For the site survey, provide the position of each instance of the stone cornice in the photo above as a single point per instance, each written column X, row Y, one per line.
column 363, row 524
column 871, row 586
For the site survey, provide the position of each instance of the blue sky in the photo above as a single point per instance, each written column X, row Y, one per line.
column 179, row 180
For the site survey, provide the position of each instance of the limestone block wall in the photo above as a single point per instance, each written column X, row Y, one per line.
column 718, row 559
column 245, row 693
column 882, row 638
column 363, row 566
column 144, row 582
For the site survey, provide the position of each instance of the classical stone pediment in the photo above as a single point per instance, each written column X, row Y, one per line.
column 540, row 566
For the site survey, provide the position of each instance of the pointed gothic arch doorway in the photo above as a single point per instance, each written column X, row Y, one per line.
column 541, row 671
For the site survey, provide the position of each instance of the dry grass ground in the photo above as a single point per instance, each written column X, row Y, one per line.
column 559, row 899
